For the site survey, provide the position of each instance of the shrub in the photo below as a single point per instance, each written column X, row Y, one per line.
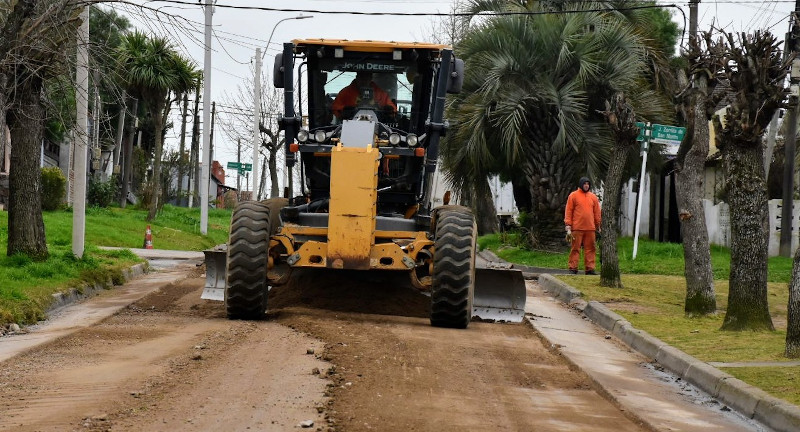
column 54, row 187
column 101, row 193
column 230, row 199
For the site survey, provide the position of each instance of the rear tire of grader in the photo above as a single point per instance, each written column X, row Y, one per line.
column 453, row 284
column 248, row 253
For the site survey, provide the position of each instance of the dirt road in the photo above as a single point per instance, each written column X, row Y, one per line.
column 333, row 353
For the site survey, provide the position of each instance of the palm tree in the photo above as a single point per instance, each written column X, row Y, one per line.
column 153, row 71
column 532, row 92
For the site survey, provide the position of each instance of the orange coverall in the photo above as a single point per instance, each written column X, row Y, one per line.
column 583, row 215
column 348, row 97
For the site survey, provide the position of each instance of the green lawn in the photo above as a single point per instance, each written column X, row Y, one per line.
column 653, row 297
column 26, row 287
column 651, row 257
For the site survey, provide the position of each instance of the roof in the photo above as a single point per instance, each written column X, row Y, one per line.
column 370, row 45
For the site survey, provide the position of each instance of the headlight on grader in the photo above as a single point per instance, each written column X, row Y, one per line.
column 412, row 140
column 319, row 136
column 394, row 139
column 302, row 135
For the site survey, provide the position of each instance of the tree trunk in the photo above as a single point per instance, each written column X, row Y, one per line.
column 689, row 188
column 3, row 108
column 482, row 205
column 522, row 195
column 793, row 314
column 25, row 224
column 747, row 197
column 262, row 173
column 551, row 177
column 155, row 182
column 609, row 270
column 127, row 173
column 273, row 173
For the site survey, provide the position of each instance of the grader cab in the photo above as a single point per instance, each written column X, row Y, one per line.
column 367, row 148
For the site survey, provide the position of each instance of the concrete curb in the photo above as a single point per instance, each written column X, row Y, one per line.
column 744, row 398
column 65, row 298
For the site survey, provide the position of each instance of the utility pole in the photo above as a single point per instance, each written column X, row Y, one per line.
column 206, row 121
column 82, row 135
column 790, row 140
column 194, row 154
column 693, row 17
column 182, row 147
column 256, row 120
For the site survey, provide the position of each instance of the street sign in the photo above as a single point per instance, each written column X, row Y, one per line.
column 642, row 129
column 241, row 167
column 671, row 135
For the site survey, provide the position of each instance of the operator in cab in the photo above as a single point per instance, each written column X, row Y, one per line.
column 362, row 92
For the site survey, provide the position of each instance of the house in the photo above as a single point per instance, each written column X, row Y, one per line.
column 217, row 184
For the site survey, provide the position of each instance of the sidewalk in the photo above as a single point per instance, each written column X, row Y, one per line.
column 747, row 400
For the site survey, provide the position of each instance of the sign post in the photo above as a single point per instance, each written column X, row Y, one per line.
column 644, row 136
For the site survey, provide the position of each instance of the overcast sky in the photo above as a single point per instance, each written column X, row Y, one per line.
column 238, row 32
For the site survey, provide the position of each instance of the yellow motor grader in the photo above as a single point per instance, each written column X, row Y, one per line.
column 368, row 150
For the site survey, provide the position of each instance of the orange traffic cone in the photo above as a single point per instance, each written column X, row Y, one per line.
column 148, row 238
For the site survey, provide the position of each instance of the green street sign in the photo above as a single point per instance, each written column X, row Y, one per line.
column 670, row 135
column 244, row 168
column 642, row 128
column 241, row 167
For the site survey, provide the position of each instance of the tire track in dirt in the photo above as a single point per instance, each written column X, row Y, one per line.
column 167, row 362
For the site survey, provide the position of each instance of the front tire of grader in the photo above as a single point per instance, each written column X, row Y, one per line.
column 248, row 252
column 453, row 279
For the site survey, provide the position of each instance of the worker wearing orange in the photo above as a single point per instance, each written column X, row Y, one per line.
column 351, row 95
column 582, row 219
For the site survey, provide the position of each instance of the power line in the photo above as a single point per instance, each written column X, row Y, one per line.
column 440, row 14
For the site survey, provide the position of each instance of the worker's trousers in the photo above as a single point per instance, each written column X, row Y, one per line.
column 587, row 240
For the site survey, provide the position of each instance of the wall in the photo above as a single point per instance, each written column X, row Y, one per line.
column 627, row 211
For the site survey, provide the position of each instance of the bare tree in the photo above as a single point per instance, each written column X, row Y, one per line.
column 238, row 125
column 754, row 68
column 452, row 28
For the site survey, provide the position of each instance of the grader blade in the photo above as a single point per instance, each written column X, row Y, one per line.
column 215, row 274
column 499, row 295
